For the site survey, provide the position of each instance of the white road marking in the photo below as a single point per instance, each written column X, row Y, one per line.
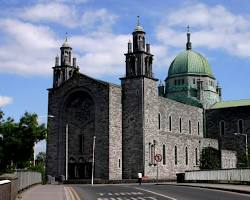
column 156, row 193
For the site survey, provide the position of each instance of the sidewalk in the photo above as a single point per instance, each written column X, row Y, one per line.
column 245, row 189
column 42, row 192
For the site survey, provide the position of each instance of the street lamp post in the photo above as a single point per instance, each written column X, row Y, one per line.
column 66, row 151
column 93, row 162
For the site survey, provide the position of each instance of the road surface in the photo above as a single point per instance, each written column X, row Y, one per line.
column 148, row 192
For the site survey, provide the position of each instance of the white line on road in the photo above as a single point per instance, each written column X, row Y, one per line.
column 156, row 193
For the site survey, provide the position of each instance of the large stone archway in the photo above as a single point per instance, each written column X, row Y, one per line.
column 79, row 115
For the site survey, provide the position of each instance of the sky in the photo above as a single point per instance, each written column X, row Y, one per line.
column 32, row 32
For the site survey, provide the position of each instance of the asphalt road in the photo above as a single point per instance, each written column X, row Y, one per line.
column 153, row 192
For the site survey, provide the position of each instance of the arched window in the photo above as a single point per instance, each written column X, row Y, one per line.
column 186, row 151
column 170, row 123
column 180, row 126
column 198, row 128
column 175, row 155
column 189, row 127
column 222, row 127
column 164, row 154
column 240, row 126
column 196, row 156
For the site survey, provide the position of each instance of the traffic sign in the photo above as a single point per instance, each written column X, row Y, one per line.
column 158, row 157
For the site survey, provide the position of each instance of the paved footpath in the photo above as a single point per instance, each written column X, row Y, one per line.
column 43, row 192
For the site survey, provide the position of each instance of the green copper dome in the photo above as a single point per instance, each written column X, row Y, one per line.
column 190, row 62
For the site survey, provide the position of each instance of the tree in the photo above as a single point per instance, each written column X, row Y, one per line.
column 19, row 139
column 210, row 158
column 40, row 158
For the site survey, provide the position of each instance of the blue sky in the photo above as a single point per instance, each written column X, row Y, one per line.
column 31, row 33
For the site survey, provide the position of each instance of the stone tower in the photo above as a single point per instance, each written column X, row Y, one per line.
column 63, row 71
column 139, row 98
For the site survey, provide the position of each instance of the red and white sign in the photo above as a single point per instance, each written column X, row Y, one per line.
column 158, row 157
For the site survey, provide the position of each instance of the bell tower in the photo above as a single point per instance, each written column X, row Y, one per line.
column 64, row 70
column 139, row 104
column 139, row 60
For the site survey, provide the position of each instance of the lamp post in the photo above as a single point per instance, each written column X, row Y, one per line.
column 66, row 151
column 93, row 162
column 246, row 147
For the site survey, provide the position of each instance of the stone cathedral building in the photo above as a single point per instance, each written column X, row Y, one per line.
column 140, row 118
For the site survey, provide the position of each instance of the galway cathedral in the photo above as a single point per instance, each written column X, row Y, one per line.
column 123, row 127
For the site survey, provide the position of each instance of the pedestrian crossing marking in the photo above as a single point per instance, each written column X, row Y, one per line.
column 124, row 196
column 120, row 194
column 127, row 198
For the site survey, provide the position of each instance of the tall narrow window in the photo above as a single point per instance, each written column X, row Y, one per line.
column 189, row 127
column 119, row 163
column 170, row 123
column 240, row 126
column 222, row 127
column 159, row 121
column 81, row 143
column 152, row 154
column 198, row 128
column 186, row 150
column 196, row 156
column 164, row 154
column 175, row 155
column 149, row 153
column 180, row 125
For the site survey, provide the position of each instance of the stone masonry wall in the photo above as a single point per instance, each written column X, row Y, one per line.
column 132, row 127
column 115, row 133
column 99, row 92
column 182, row 140
column 231, row 139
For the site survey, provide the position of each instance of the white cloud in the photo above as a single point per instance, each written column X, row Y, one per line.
column 51, row 12
column 66, row 1
column 99, row 20
column 213, row 27
column 30, row 49
column 27, row 49
column 101, row 54
column 5, row 100
column 69, row 16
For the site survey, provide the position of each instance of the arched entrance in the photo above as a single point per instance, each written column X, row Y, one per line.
column 79, row 114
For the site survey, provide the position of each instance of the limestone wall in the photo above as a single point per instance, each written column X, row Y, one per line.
column 115, row 133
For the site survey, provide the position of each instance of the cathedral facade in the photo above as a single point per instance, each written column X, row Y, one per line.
column 135, row 121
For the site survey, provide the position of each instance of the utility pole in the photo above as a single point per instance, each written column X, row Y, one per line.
column 93, row 162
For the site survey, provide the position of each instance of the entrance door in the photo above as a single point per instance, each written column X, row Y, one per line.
column 72, row 167
column 84, row 170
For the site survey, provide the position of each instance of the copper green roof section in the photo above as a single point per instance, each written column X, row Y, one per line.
column 227, row 104
column 190, row 62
